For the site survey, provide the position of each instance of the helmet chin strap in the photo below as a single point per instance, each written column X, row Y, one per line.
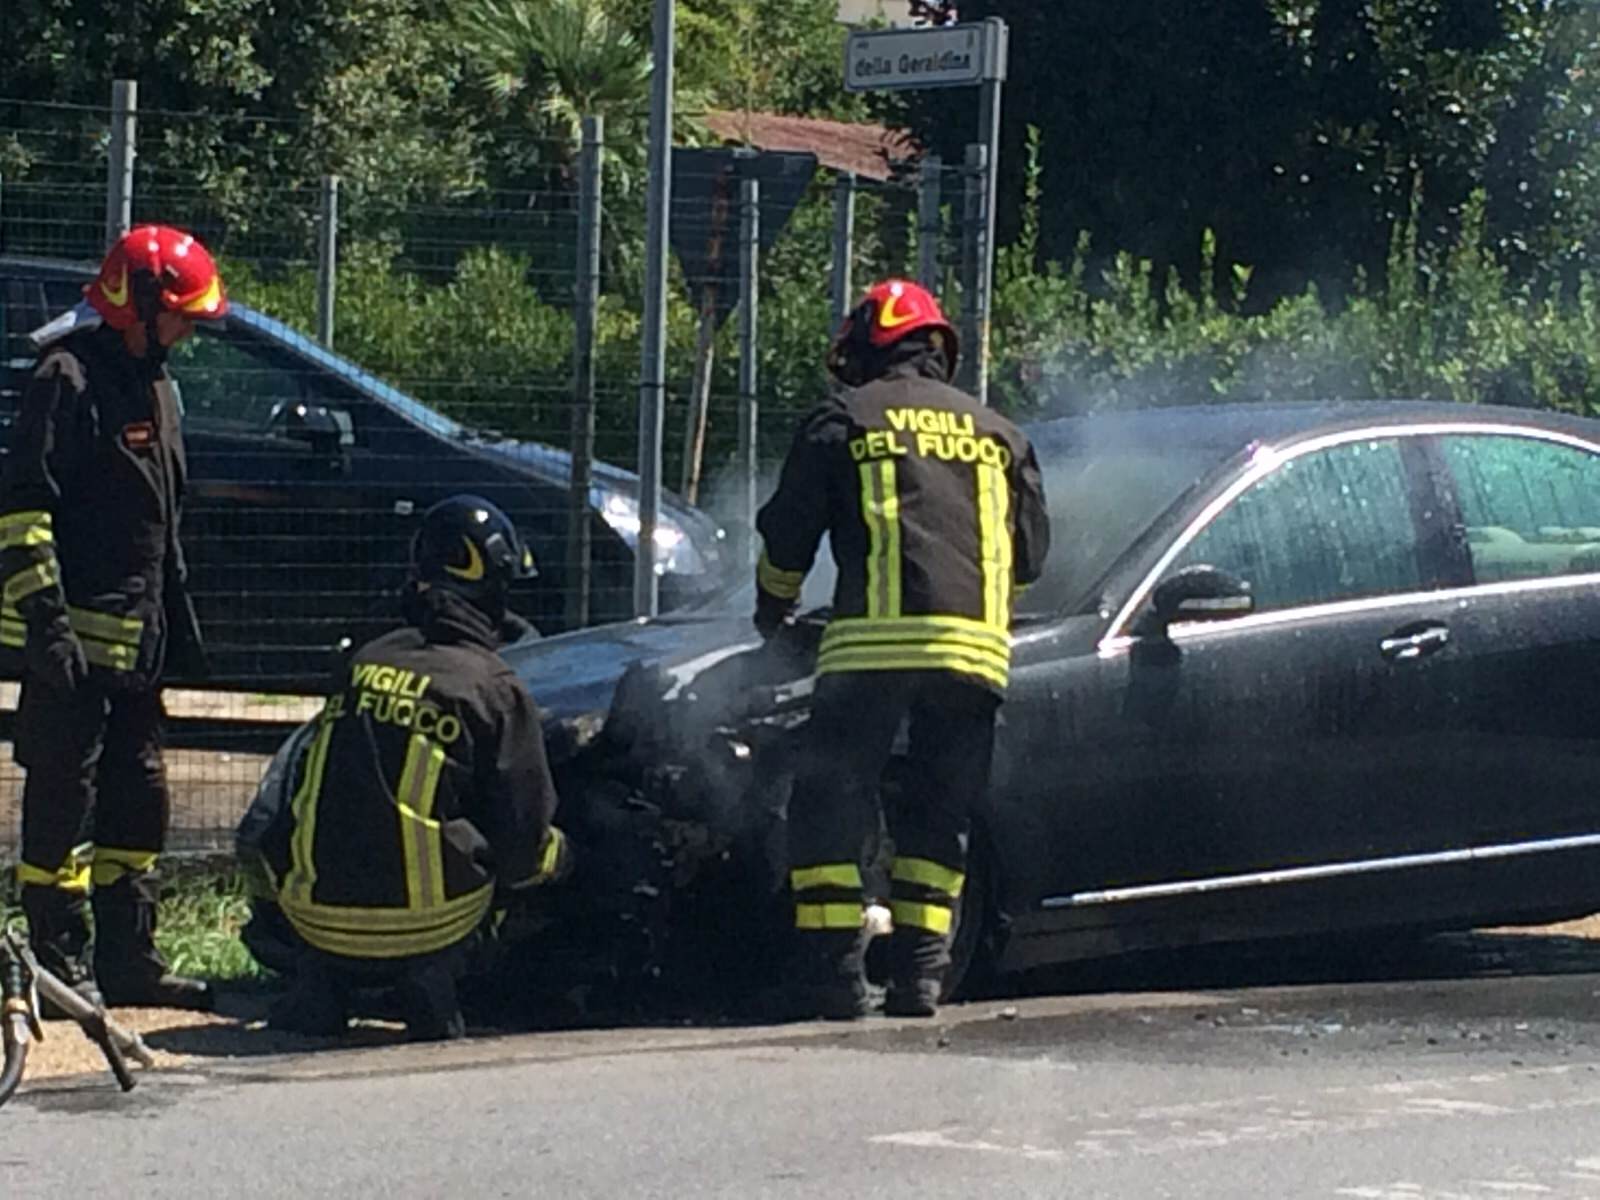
column 148, row 305
column 154, row 352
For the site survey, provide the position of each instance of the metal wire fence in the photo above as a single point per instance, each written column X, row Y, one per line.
column 452, row 323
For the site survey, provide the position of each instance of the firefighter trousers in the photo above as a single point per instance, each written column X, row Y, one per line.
column 855, row 720
column 94, row 811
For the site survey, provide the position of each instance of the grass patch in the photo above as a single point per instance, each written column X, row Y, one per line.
column 203, row 907
column 202, row 911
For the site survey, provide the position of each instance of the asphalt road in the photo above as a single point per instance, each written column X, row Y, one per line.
column 1460, row 1067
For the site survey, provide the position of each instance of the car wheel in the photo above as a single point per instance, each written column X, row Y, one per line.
column 972, row 942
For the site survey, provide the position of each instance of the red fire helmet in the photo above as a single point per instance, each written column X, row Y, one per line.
column 182, row 278
column 890, row 310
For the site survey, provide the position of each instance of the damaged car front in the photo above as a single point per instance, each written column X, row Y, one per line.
column 673, row 743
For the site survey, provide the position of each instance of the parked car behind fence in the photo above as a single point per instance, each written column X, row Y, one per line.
column 307, row 479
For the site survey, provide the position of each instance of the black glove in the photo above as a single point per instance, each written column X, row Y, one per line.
column 772, row 614
column 58, row 660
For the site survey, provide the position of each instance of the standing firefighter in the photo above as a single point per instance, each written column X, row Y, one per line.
column 935, row 510
column 94, row 573
column 424, row 789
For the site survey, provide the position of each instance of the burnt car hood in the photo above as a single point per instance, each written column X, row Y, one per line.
column 576, row 674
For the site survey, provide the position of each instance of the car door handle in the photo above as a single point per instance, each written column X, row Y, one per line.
column 1402, row 647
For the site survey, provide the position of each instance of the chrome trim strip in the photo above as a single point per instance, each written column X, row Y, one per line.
column 1223, row 883
column 1110, row 647
column 1268, row 459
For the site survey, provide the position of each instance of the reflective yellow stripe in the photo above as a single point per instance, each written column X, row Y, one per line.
column 943, row 647
column 355, row 918
column 25, row 529
column 26, row 582
column 111, row 864
column 419, row 832
column 845, row 875
column 865, row 640
column 551, row 858
column 13, row 632
column 302, row 875
column 925, row 625
column 933, row 917
column 902, row 661
column 926, row 872
column 387, row 932
column 785, row 585
column 891, row 521
column 115, row 658
column 108, row 628
column 86, row 623
column 994, row 544
column 871, row 519
column 880, row 511
column 828, row 916
column 72, row 876
column 933, row 642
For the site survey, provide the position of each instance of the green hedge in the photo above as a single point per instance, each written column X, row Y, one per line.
column 488, row 348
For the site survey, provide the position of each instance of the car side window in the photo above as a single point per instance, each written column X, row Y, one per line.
column 1330, row 525
column 229, row 386
column 1531, row 507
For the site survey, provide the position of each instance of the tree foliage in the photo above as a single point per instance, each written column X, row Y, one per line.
column 249, row 102
column 1296, row 129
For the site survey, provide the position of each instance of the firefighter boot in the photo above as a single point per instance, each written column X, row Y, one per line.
column 828, row 976
column 130, row 969
column 918, row 960
column 58, row 932
column 428, row 1003
column 314, row 1005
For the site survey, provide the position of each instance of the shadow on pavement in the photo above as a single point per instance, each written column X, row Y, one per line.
column 1366, row 958
column 237, row 1030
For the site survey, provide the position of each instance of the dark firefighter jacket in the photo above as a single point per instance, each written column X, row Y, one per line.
column 424, row 785
column 935, row 510
column 89, row 505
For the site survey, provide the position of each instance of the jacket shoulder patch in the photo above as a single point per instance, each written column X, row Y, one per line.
column 64, row 364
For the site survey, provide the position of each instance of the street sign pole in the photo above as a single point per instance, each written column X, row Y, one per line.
column 749, row 364
column 996, row 46
column 653, row 344
column 969, row 55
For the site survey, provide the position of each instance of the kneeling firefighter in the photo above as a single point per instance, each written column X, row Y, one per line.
column 935, row 510
column 423, row 790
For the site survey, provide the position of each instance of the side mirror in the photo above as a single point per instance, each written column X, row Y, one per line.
column 1197, row 593
column 316, row 424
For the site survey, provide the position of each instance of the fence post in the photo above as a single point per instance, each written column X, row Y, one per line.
column 749, row 362
column 586, row 305
column 930, row 221
column 653, row 342
column 844, row 240
column 119, row 166
column 327, row 258
column 975, row 276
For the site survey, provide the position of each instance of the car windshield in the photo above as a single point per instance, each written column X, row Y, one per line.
column 1106, row 482
column 1103, row 493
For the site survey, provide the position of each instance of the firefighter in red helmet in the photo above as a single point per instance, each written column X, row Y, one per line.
column 93, row 597
column 936, row 514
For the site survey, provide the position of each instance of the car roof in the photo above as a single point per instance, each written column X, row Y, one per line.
column 1225, row 429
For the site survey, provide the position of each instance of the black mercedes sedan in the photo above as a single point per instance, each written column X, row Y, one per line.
column 308, row 476
column 1291, row 670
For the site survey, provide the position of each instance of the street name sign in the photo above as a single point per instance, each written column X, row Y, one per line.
column 887, row 60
